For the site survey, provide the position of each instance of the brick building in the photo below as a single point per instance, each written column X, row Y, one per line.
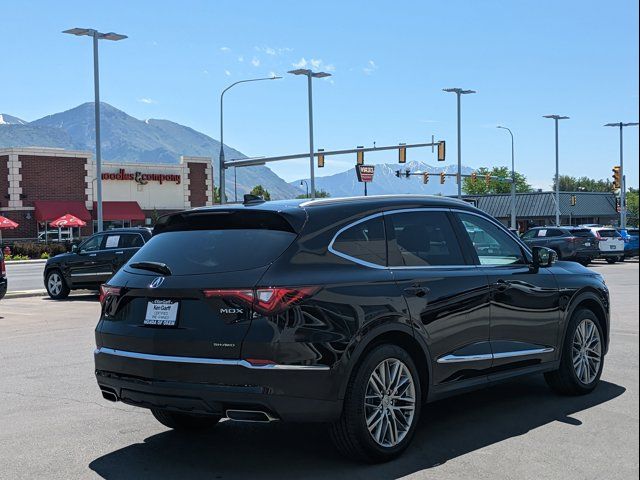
column 38, row 185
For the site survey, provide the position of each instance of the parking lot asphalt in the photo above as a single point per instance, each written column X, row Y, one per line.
column 55, row 424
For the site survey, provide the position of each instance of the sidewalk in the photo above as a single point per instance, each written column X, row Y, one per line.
column 26, row 293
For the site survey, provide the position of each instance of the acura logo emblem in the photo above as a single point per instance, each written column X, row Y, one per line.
column 156, row 282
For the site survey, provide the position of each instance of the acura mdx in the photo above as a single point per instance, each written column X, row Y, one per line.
column 352, row 312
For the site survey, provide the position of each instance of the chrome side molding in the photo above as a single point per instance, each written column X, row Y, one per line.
column 206, row 361
column 493, row 356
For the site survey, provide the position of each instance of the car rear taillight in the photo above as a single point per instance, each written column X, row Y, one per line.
column 107, row 291
column 573, row 239
column 265, row 301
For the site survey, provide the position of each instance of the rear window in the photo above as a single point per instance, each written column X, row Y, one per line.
column 193, row 252
column 214, row 241
column 609, row 233
column 582, row 232
column 364, row 241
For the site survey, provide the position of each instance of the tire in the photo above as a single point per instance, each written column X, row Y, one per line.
column 56, row 286
column 559, row 256
column 585, row 375
column 584, row 262
column 350, row 433
column 184, row 421
column 611, row 260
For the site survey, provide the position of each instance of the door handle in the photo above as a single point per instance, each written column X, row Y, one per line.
column 92, row 254
column 501, row 285
column 417, row 290
column 119, row 253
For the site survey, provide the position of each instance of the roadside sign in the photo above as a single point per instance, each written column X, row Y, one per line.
column 365, row 173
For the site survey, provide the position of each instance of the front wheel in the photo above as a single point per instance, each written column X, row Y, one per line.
column 184, row 421
column 611, row 260
column 582, row 356
column 56, row 286
column 381, row 406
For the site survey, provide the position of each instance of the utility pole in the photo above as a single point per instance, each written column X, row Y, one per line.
column 623, row 183
column 556, row 118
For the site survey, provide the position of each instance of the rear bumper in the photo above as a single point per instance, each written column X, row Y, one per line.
column 213, row 388
column 611, row 253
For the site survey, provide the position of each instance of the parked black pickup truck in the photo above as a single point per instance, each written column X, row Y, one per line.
column 93, row 262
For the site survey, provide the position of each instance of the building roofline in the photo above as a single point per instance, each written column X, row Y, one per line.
column 45, row 151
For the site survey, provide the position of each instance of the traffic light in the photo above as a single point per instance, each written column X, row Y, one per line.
column 407, row 173
column 425, row 177
column 474, row 177
column 320, row 157
column 574, row 200
column 487, row 179
column 616, row 177
column 442, row 150
column 398, row 173
column 402, row 154
column 443, row 178
column 360, row 156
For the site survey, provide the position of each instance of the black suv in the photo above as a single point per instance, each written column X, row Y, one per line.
column 353, row 312
column 93, row 262
column 569, row 243
column 3, row 276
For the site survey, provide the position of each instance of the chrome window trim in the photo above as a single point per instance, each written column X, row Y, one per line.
column 493, row 356
column 205, row 361
column 90, row 274
column 383, row 267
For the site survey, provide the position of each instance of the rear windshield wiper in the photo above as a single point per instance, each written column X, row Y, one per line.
column 157, row 267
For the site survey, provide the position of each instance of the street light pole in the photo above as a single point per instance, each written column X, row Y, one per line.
column 459, row 92
column 221, row 159
column 89, row 32
column 310, row 75
column 514, row 224
column 307, row 185
column 623, row 186
column 556, row 118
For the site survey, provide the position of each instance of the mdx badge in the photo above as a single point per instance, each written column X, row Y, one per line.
column 156, row 282
column 231, row 311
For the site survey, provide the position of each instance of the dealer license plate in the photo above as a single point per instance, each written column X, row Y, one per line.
column 162, row 313
column 587, row 244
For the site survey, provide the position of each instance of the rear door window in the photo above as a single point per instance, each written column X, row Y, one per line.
column 422, row 239
column 131, row 240
column 582, row 233
column 364, row 241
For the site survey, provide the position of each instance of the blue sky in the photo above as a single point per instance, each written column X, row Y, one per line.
column 389, row 62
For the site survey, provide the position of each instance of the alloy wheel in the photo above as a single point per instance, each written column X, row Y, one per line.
column 389, row 402
column 54, row 284
column 587, row 351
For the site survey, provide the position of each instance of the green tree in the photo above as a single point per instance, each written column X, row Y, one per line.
column 497, row 185
column 632, row 207
column 216, row 194
column 260, row 191
column 582, row 184
column 319, row 194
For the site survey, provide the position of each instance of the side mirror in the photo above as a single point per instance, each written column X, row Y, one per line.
column 543, row 257
column 74, row 248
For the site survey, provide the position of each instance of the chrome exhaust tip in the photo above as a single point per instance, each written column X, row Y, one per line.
column 109, row 394
column 256, row 416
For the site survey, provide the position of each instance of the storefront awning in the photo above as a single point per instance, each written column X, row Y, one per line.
column 119, row 211
column 47, row 210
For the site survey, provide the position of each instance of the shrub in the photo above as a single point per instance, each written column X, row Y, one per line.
column 37, row 250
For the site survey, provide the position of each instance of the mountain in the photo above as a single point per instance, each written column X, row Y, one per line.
column 6, row 119
column 128, row 139
column 385, row 181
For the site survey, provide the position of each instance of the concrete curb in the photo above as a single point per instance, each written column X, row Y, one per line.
column 24, row 262
column 25, row 294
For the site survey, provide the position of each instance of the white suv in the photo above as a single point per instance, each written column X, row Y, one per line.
column 610, row 242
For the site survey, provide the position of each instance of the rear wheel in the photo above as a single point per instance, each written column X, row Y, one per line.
column 582, row 356
column 584, row 262
column 381, row 406
column 611, row 260
column 56, row 286
column 184, row 421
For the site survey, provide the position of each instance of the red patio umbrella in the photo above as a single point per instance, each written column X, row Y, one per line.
column 6, row 223
column 67, row 221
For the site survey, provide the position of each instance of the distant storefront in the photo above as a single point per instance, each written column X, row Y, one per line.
column 539, row 208
column 38, row 185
